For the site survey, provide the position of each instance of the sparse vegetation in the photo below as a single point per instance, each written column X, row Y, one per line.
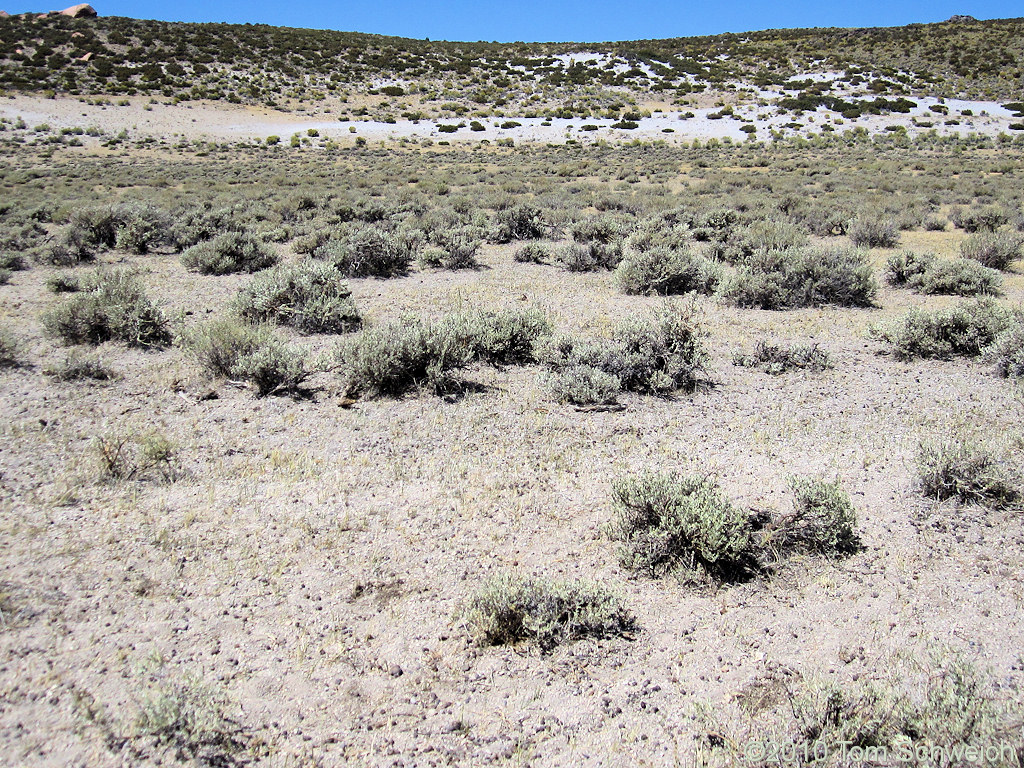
column 77, row 366
column 965, row 470
column 509, row 609
column 110, row 306
column 776, row 359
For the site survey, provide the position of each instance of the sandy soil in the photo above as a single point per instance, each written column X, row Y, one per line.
column 313, row 560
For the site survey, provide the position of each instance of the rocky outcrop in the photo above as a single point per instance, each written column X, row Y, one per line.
column 961, row 18
column 81, row 11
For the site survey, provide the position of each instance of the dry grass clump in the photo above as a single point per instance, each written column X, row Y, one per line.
column 76, row 366
column 806, row 277
column 111, row 305
column 135, row 457
column 963, row 330
column 965, row 470
column 510, row 609
column 310, row 297
column 776, row 359
column 229, row 253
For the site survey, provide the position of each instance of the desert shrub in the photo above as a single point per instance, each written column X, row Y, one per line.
column 137, row 457
column 958, row 277
column 996, row 250
column 5, row 276
column 905, row 711
column 804, row 278
column 10, row 350
column 76, row 366
column 599, row 229
column 669, row 521
column 776, row 360
column 934, row 224
column 393, row 358
column 220, row 344
column 229, row 253
column 66, row 248
column 520, row 222
column 310, row 297
column 196, row 225
column 532, row 253
column 126, row 226
column 664, row 271
column 967, row 471
column 13, row 262
column 452, row 250
column 871, row 232
column 96, row 224
column 502, row 337
column 369, row 251
column 273, row 368
column 657, row 355
column 964, row 330
column 508, row 609
column 584, row 385
column 111, row 305
column 589, row 257
column 1007, row 352
column 823, row 520
column 762, row 235
column 63, row 283
column 984, row 219
column 906, row 267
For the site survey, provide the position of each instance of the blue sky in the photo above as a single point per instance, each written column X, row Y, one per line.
column 538, row 20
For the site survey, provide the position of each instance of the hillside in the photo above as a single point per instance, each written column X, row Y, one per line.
column 390, row 78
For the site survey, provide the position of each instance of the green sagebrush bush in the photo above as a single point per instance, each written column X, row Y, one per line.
column 664, row 271
column 229, row 349
column 533, row 253
column 311, row 297
column 589, row 257
column 963, row 330
column 510, row 609
column 131, row 227
column 997, row 250
column 76, row 366
column 965, row 470
column 520, row 222
column 657, row 354
column 10, row 350
column 823, row 520
column 110, row 305
column 68, row 247
column 668, row 521
column 776, row 359
column 396, row 357
column 1007, row 351
column 873, row 232
column 583, row 385
column 805, row 277
column 952, row 277
column 452, row 250
column 229, row 253
column 369, row 251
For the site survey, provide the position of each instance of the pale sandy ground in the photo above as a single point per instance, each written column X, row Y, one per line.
column 218, row 121
column 312, row 563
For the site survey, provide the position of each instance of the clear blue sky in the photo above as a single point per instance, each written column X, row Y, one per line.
column 545, row 20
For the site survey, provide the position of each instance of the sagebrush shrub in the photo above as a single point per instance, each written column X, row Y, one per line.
column 452, row 250
column 509, row 609
column 77, row 366
column 823, row 520
column 68, row 247
column 111, row 305
column 872, row 232
column 806, row 277
column 502, row 337
column 657, row 354
column 10, row 350
column 584, row 385
column 534, row 253
column 997, row 250
column 229, row 349
column 589, row 257
column 762, row 235
column 958, row 277
column 669, row 521
column 369, row 251
column 229, row 253
column 776, row 359
column 218, row 345
column 965, row 470
column 964, row 330
column 126, row 226
column 664, row 271
column 984, row 219
column 311, row 297
column 521, row 222
column 906, row 267
column 1007, row 352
